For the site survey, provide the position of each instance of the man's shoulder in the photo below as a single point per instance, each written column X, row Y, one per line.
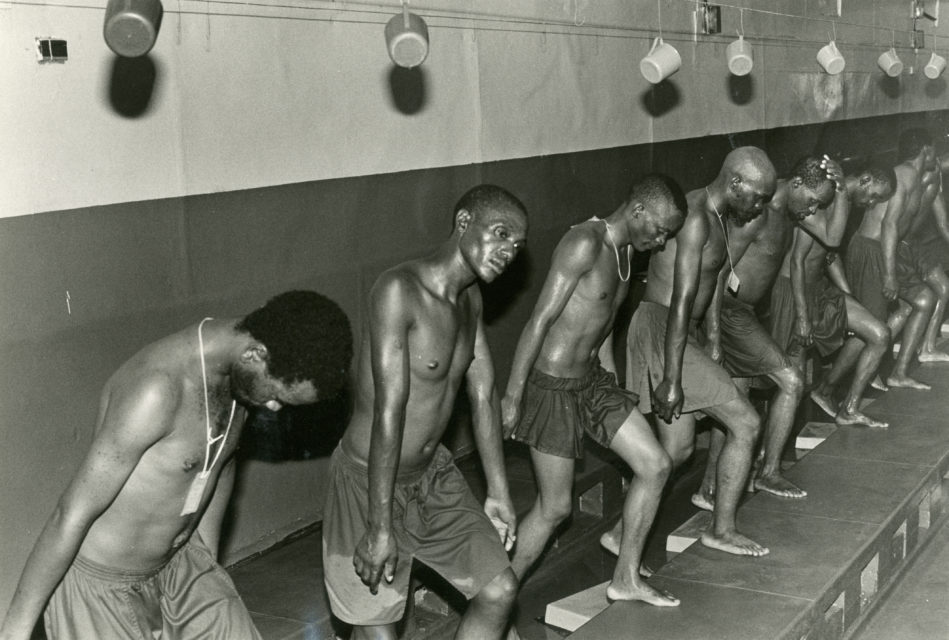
column 580, row 243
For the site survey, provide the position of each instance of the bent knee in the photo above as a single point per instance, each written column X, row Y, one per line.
column 879, row 335
column 791, row 381
column 924, row 301
column 746, row 426
column 557, row 509
column 501, row 591
column 656, row 466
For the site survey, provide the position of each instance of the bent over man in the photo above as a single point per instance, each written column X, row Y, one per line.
column 395, row 492
column 130, row 550
column 558, row 389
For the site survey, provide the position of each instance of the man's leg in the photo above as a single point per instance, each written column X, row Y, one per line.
column 382, row 632
column 875, row 335
column 923, row 302
column 704, row 498
column 487, row 615
column 937, row 280
column 742, row 425
column 553, row 505
column 638, row 447
column 784, row 405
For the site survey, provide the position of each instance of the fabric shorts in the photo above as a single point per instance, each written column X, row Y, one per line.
column 557, row 411
column 827, row 308
column 191, row 597
column 704, row 383
column 933, row 252
column 748, row 347
column 865, row 272
column 435, row 519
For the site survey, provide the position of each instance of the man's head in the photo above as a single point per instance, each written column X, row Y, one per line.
column 749, row 180
column 809, row 188
column 915, row 142
column 874, row 184
column 300, row 351
column 655, row 211
column 491, row 227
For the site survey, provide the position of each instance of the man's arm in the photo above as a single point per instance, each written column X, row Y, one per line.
column 835, row 271
column 573, row 257
column 688, row 266
column 486, row 427
column 829, row 228
column 799, row 249
column 131, row 420
column 210, row 526
column 377, row 554
column 942, row 219
column 713, row 316
column 889, row 237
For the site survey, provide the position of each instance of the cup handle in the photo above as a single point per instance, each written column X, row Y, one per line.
column 655, row 44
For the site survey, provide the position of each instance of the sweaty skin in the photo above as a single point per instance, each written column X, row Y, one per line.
column 123, row 507
column 571, row 321
column 683, row 277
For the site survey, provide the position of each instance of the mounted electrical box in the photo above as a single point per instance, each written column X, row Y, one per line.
column 51, row 50
column 708, row 18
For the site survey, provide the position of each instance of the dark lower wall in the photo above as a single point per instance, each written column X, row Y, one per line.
column 137, row 271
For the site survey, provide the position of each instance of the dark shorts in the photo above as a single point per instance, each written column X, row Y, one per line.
column 865, row 271
column 435, row 519
column 933, row 251
column 190, row 597
column 748, row 347
column 704, row 383
column 558, row 410
column 827, row 308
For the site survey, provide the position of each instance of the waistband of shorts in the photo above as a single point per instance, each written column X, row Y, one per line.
column 729, row 300
column 857, row 238
column 648, row 306
column 409, row 476
column 547, row 381
column 112, row 574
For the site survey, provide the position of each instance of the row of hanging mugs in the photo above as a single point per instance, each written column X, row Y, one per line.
column 663, row 60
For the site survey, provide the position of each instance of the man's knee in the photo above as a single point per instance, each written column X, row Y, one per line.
column 924, row 301
column 501, row 591
column 555, row 509
column 791, row 381
column 878, row 335
column 655, row 466
column 745, row 425
column 679, row 452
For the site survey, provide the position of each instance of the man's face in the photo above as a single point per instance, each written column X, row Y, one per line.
column 804, row 201
column 492, row 239
column 749, row 198
column 253, row 386
column 871, row 192
column 657, row 223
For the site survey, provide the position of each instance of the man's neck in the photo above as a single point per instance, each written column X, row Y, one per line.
column 447, row 273
column 618, row 226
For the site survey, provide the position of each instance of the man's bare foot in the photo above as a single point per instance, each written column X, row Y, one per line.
column 824, row 402
column 905, row 382
column 878, row 384
column 778, row 485
column 512, row 633
column 610, row 541
column 855, row 418
column 933, row 356
column 733, row 542
column 642, row 592
column 703, row 501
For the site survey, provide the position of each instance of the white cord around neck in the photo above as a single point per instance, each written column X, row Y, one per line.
column 205, row 470
column 619, row 270
column 728, row 252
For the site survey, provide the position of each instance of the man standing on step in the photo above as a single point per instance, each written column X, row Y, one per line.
column 395, row 492
column 558, row 388
column 748, row 350
column 667, row 367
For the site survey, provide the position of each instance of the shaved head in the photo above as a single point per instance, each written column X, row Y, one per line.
column 750, row 164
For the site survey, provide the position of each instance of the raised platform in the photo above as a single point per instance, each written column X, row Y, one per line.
column 874, row 496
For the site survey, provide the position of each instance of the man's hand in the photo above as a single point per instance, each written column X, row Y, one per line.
column 376, row 555
column 804, row 331
column 510, row 413
column 502, row 515
column 669, row 398
column 714, row 350
column 890, row 288
column 834, row 172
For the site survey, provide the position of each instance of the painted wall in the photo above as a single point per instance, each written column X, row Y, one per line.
column 249, row 154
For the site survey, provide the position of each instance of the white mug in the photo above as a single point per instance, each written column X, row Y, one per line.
column 738, row 54
column 830, row 59
column 131, row 26
column 890, row 62
column 935, row 66
column 661, row 62
column 407, row 39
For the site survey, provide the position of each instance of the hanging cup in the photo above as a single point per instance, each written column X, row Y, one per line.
column 407, row 39
column 738, row 54
column 890, row 62
column 830, row 58
column 935, row 66
column 661, row 62
column 131, row 26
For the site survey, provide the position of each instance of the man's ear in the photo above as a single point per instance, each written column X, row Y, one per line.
column 865, row 179
column 638, row 209
column 462, row 220
column 256, row 352
column 796, row 182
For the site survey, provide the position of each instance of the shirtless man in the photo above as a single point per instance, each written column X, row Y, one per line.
column 811, row 302
column 663, row 353
column 881, row 266
column 130, row 550
column 395, row 492
column 558, row 388
column 748, row 349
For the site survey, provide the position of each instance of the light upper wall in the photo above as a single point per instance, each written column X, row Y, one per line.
column 251, row 95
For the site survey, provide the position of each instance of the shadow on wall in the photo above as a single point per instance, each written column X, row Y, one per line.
column 295, row 433
column 408, row 89
column 741, row 89
column 132, row 84
column 661, row 98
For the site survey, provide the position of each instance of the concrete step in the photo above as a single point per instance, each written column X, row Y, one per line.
column 574, row 611
column 813, row 434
